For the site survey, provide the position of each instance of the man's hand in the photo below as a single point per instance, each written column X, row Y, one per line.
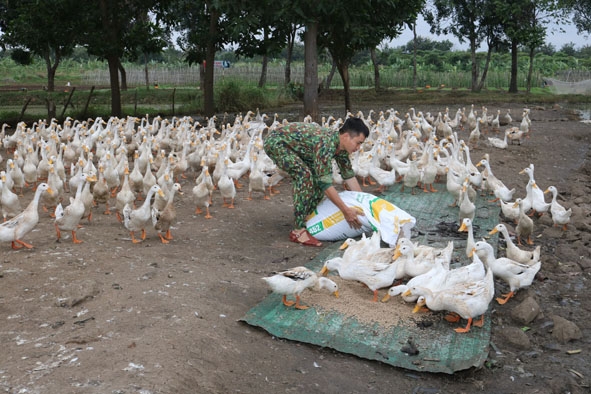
column 352, row 217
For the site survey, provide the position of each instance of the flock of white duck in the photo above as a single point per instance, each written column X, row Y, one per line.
column 134, row 165
column 138, row 166
column 417, row 150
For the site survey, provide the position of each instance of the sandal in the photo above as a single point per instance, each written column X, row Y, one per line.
column 303, row 237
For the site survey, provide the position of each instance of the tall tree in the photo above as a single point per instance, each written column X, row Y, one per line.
column 259, row 28
column 345, row 33
column 144, row 38
column 311, row 70
column 114, row 28
column 524, row 23
column 467, row 20
column 307, row 14
column 291, row 37
column 581, row 13
column 204, row 30
column 31, row 25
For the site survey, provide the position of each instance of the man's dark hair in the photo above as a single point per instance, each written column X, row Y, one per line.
column 354, row 126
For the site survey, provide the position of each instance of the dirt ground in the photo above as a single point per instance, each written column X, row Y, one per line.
column 110, row 316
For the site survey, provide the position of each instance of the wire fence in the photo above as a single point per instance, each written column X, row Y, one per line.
column 189, row 75
column 359, row 77
column 573, row 75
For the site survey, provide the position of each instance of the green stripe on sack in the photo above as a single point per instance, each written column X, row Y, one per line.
column 317, row 228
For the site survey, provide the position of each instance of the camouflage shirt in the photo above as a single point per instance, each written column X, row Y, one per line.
column 316, row 146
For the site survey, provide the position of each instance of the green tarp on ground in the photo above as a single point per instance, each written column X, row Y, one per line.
column 440, row 348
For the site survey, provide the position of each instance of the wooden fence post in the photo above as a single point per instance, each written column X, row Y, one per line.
column 50, row 108
column 24, row 108
column 67, row 103
column 87, row 102
column 173, row 94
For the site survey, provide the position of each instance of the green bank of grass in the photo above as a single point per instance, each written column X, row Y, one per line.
column 235, row 97
column 164, row 101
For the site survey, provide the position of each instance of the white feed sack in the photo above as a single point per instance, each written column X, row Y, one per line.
column 327, row 222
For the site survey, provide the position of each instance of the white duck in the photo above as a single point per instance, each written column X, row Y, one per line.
column 11, row 205
column 509, row 210
column 239, row 168
column 495, row 123
column 384, row 178
column 525, row 224
column 428, row 251
column 513, row 251
column 14, row 229
column 429, row 171
column 439, row 278
column 68, row 218
column 30, row 169
column 124, row 196
column 467, row 226
column 138, row 219
column 410, row 266
column 467, row 207
column 560, row 215
column 201, row 192
column 257, row 179
column 294, row 281
column 412, row 176
column 87, row 197
column 494, row 184
column 506, row 119
column 358, row 249
column 16, row 173
column 453, row 184
column 515, row 274
column 514, row 134
column 474, row 137
column 535, row 196
column 100, row 191
column 136, row 179
column 432, row 279
column 149, row 179
column 374, row 274
column 474, row 174
column 227, row 187
column 57, row 186
column 498, row 143
column 164, row 219
column 468, row 300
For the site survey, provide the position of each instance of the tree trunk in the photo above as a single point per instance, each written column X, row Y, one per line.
column 376, row 69
column 208, row 98
column 51, row 110
column 123, row 76
column 330, row 75
column 311, row 71
column 530, row 71
column 414, row 56
column 513, row 81
column 263, row 78
column 146, row 73
column 485, row 71
column 51, row 69
column 202, row 76
column 290, row 44
column 344, row 72
column 474, row 83
column 113, row 62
